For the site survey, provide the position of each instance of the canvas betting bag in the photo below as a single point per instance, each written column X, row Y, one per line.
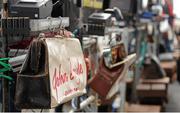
column 53, row 73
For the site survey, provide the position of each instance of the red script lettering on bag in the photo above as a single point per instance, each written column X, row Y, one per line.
column 60, row 78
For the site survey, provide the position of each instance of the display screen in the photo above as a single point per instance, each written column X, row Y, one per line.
column 127, row 7
column 96, row 4
column 123, row 5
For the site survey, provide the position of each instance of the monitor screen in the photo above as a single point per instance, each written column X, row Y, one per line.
column 96, row 4
column 121, row 4
column 126, row 6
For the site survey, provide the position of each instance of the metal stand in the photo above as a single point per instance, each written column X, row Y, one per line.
column 5, row 82
column 22, row 27
column 123, row 96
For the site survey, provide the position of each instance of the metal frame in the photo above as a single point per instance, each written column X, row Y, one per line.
column 36, row 26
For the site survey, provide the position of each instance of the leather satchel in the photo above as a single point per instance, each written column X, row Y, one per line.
column 33, row 87
column 105, row 78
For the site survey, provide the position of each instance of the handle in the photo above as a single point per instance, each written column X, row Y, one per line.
column 35, row 55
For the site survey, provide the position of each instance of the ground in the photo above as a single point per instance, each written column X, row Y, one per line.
column 174, row 98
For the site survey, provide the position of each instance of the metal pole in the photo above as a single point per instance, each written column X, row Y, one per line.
column 5, row 86
column 137, row 70
column 5, row 83
column 139, row 37
column 123, row 96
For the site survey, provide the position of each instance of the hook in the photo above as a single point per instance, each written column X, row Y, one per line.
column 41, row 35
column 51, row 29
column 61, row 28
column 60, row 25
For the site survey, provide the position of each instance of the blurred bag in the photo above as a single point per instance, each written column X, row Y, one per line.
column 164, row 26
column 105, row 78
column 147, row 15
column 114, row 55
column 152, row 69
column 52, row 74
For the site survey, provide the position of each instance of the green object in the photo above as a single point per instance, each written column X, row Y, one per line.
column 6, row 77
column 143, row 51
column 4, row 59
column 5, row 67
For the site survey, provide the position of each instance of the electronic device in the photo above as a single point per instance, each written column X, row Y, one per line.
column 127, row 7
column 97, row 23
column 34, row 9
column 116, row 12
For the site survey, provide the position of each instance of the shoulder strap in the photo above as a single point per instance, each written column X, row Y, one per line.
column 35, row 55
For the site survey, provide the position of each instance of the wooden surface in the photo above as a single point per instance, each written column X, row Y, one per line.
column 142, row 108
column 150, row 87
column 164, row 80
column 168, row 64
column 176, row 54
column 156, row 88
column 170, row 68
column 174, row 77
column 152, row 90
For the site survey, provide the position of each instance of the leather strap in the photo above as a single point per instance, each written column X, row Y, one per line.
column 35, row 55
